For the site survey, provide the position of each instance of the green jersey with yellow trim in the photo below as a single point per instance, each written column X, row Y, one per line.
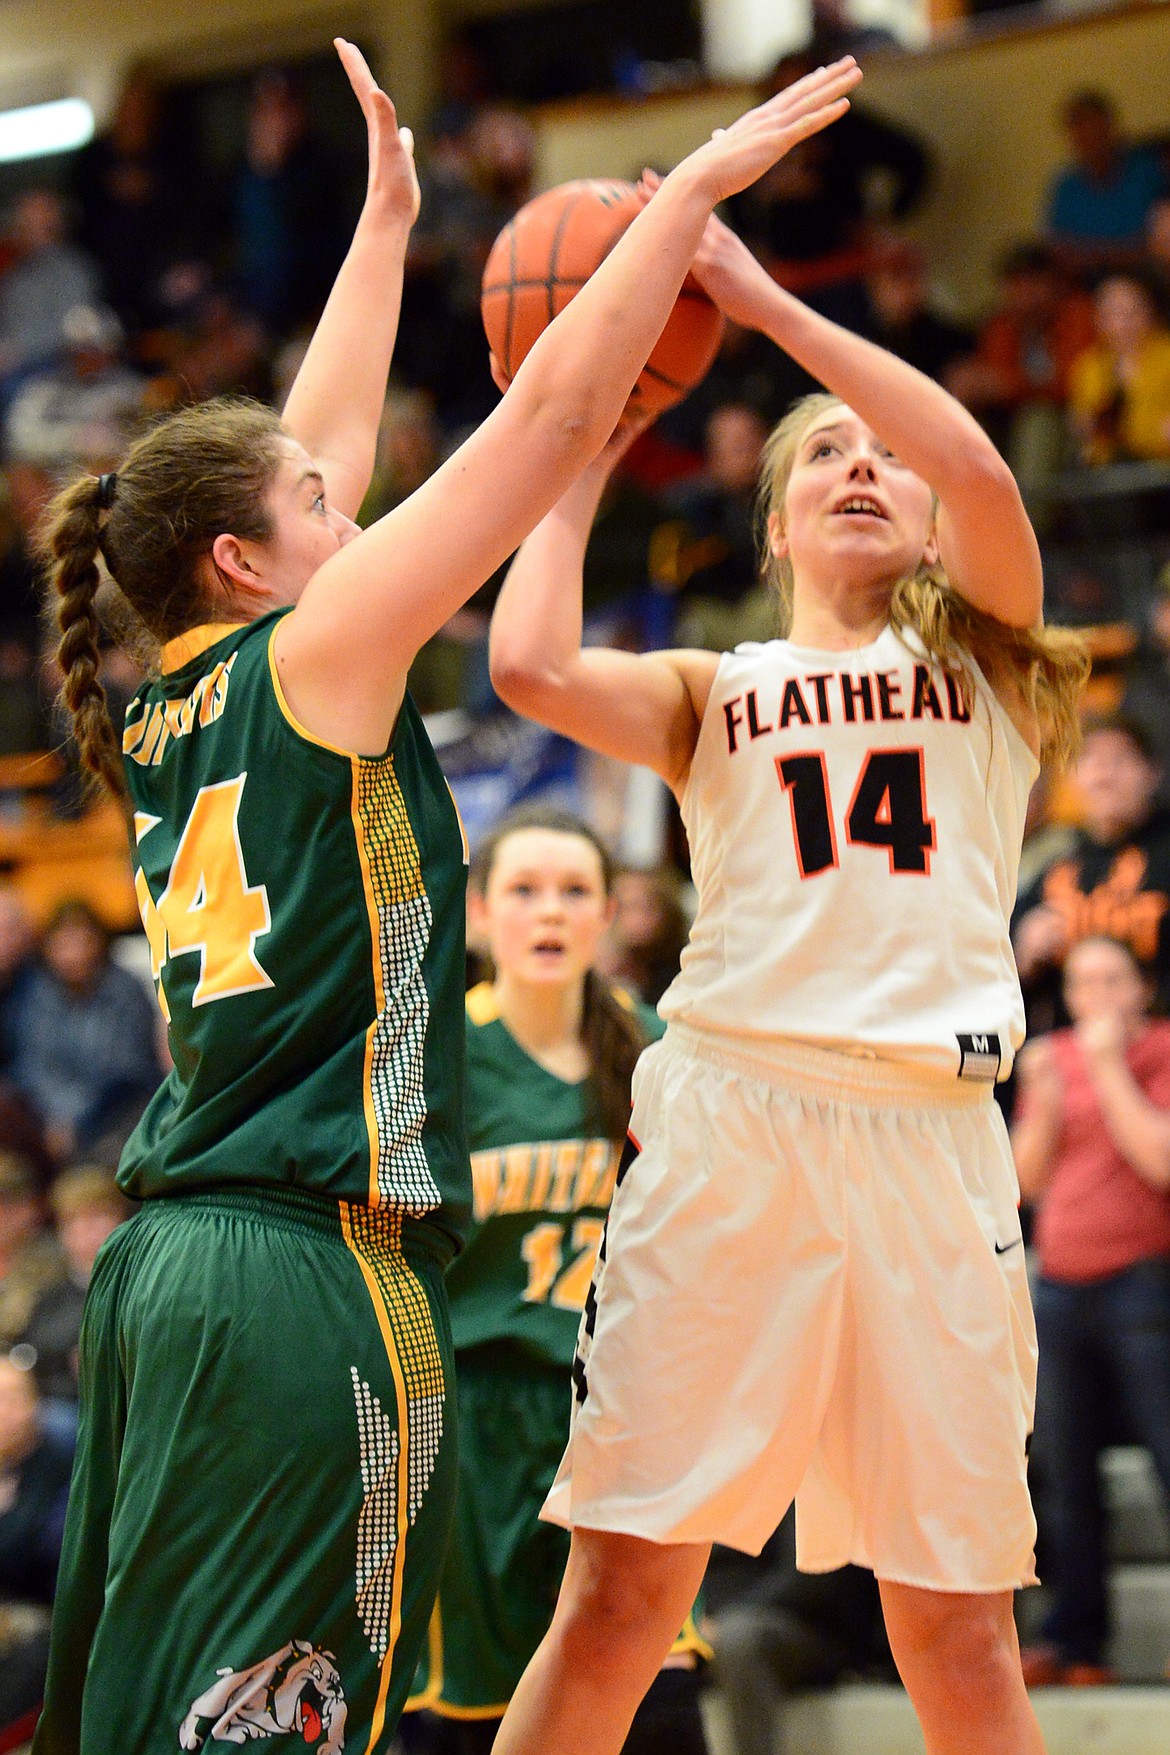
column 305, row 912
column 542, row 1184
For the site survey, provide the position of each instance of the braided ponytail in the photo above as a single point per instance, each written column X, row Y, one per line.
column 70, row 545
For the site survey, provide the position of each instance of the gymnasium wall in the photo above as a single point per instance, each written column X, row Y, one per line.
column 987, row 107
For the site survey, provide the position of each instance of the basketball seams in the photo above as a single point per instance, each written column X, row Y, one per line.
column 572, row 228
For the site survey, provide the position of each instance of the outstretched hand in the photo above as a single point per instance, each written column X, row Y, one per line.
column 392, row 183
column 736, row 156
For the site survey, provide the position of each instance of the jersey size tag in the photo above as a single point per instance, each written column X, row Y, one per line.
column 979, row 1057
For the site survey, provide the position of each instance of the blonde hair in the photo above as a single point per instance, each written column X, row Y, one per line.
column 1046, row 667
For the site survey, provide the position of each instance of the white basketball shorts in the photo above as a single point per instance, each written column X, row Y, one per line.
column 812, row 1285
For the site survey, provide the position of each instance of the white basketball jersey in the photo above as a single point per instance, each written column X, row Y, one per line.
column 855, row 836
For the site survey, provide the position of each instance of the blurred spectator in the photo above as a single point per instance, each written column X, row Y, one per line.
column 1147, row 690
column 835, row 33
column 901, row 317
column 807, row 218
column 1092, row 1146
column 78, row 412
column 1158, row 241
column 777, row 1632
column 410, row 449
column 290, row 231
column 471, row 186
column 1119, row 388
column 464, row 86
column 87, row 1206
column 30, row 1259
column 85, row 1054
column 706, row 552
column 645, row 940
column 18, row 949
column 209, row 345
column 35, row 1464
column 19, row 604
column 51, row 276
column 139, row 203
column 1018, row 378
column 1098, row 204
column 34, row 1484
column 1045, row 841
column 1115, row 879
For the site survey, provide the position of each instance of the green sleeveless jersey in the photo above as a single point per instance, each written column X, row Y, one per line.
column 542, row 1186
column 305, row 913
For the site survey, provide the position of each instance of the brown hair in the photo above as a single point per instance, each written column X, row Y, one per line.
column 610, row 1032
column 1047, row 667
column 197, row 474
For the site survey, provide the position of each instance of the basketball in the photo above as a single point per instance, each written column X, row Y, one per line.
column 547, row 252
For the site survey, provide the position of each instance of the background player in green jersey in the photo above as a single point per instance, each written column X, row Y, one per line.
column 265, row 1467
column 550, row 1055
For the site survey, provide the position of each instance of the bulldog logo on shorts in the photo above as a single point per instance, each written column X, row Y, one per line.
column 296, row 1692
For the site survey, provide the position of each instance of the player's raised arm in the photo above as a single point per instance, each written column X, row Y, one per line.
column 371, row 606
column 986, row 542
column 335, row 405
column 641, row 708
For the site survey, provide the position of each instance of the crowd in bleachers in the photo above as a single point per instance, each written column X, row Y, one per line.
column 112, row 311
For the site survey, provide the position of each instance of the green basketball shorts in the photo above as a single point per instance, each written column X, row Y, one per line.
column 504, row 1566
column 264, row 1482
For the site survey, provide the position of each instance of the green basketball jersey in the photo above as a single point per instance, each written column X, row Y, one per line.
column 305, row 912
column 542, row 1186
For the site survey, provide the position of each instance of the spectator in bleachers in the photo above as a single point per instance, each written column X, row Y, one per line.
column 1119, row 388
column 18, row 947
column 35, row 1464
column 1092, row 1146
column 1115, row 879
column 1158, row 240
column 901, row 315
column 1017, row 380
column 50, row 277
column 87, row 1205
column 706, row 551
column 808, row 218
column 210, row 345
column 86, row 1055
column 471, row 187
column 778, row 1632
column 1146, row 695
column 645, row 940
column 1099, row 203
column 19, row 609
column 79, row 410
column 30, row 1258
column 290, row 229
column 139, row 202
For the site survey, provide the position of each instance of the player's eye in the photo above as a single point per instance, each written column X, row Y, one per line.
column 319, row 502
column 822, row 448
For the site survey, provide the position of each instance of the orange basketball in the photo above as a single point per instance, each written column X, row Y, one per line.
column 547, row 252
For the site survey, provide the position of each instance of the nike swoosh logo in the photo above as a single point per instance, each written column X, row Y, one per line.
column 1002, row 1248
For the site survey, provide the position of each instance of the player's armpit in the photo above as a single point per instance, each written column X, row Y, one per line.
column 642, row 708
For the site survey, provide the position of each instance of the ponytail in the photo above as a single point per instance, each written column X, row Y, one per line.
column 613, row 1040
column 70, row 545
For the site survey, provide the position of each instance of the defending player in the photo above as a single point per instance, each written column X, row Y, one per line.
column 813, row 1282
column 550, row 1054
column 266, row 1460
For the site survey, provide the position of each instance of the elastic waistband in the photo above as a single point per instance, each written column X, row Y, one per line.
column 823, row 1072
column 298, row 1210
